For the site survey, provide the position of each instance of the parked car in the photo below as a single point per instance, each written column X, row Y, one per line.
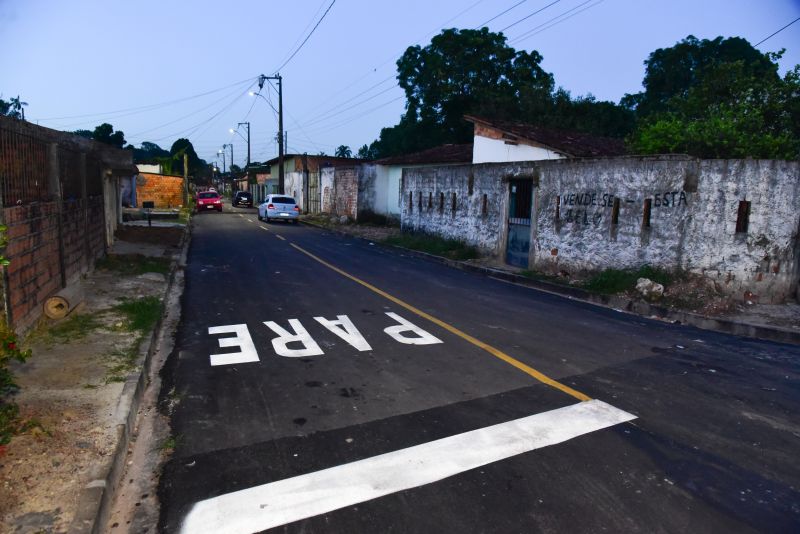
column 208, row 200
column 242, row 198
column 279, row 207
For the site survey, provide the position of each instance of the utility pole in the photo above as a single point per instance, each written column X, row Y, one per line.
column 278, row 78
column 248, row 140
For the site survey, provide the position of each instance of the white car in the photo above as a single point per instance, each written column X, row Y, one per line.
column 279, row 207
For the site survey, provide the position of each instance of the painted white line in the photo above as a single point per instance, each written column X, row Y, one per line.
column 280, row 237
column 278, row 503
column 264, row 228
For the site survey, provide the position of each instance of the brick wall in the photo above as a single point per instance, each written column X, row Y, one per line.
column 163, row 189
column 52, row 185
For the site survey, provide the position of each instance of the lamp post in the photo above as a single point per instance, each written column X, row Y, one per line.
column 261, row 80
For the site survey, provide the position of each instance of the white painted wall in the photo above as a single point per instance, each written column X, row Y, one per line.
column 145, row 167
column 486, row 150
column 393, row 190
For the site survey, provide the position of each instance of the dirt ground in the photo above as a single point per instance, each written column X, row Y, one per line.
column 70, row 388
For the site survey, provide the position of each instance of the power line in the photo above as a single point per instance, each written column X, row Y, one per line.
column 528, row 16
column 310, row 22
column 148, row 107
column 777, row 32
column 481, row 25
column 546, row 24
column 307, row 37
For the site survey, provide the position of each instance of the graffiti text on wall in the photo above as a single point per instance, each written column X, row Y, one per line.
column 583, row 201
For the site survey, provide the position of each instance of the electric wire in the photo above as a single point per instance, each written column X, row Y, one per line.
column 482, row 24
column 529, row 16
column 547, row 24
column 770, row 36
column 307, row 37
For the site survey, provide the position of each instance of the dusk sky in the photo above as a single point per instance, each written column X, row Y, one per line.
column 161, row 70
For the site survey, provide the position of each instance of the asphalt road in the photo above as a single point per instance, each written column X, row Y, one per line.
column 405, row 396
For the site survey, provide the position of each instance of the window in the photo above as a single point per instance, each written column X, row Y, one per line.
column 485, row 206
column 453, row 207
column 410, row 202
column 419, row 201
column 648, row 202
column 743, row 217
column 441, row 202
column 430, row 200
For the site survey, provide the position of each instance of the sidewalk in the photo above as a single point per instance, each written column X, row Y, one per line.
column 80, row 388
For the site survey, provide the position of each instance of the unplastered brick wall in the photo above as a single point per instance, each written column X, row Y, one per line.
column 163, row 189
column 339, row 191
column 734, row 221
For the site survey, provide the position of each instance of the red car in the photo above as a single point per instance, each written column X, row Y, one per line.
column 209, row 200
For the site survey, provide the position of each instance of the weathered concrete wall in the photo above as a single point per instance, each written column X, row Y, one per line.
column 693, row 210
column 165, row 190
column 467, row 203
column 294, row 186
column 326, row 189
column 368, row 189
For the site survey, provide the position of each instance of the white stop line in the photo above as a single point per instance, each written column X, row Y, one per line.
column 278, row 503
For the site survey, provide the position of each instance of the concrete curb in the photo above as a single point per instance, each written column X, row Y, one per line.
column 622, row 304
column 94, row 504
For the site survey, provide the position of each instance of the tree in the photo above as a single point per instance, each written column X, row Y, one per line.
column 14, row 108
column 105, row 133
column 728, row 102
column 343, row 151
column 148, row 152
column 475, row 72
column 365, row 152
column 468, row 72
column 670, row 73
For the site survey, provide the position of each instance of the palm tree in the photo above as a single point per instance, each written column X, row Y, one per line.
column 344, row 152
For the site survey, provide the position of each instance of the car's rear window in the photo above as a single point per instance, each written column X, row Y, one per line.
column 208, row 195
column 245, row 195
column 283, row 200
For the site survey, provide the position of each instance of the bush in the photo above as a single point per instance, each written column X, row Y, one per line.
column 612, row 281
column 9, row 351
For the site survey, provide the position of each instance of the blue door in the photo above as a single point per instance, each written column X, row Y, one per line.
column 520, row 202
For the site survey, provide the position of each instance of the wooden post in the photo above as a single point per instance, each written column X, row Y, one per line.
column 185, row 180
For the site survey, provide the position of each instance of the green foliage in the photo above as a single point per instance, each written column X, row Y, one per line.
column 105, row 134
column 343, row 151
column 448, row 248
column 149, row 152
column 9, row 351
column 13, row 108
column 197, row 166
column 474, row 72
column 611, row 281
column 142, row 313
column 365, row 152
column 717, row 99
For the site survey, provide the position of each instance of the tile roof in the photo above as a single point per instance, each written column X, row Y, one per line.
column 440, row 154
column 570, row 143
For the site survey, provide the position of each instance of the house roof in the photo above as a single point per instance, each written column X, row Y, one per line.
column 314, row 157
column 570, row 143
column 439, row 154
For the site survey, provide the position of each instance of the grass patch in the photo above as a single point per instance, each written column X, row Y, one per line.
column 448, row 248
column 75, row 326
column 611, row 281
column 133, row 264
column 170, row 443
column 141, row 314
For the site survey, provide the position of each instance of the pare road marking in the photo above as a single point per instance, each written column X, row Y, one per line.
column 403, row 331
column 292, row 499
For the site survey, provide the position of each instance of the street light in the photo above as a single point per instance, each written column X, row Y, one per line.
column 236, row 131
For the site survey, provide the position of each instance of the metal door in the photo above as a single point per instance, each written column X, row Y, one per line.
column 520, row 202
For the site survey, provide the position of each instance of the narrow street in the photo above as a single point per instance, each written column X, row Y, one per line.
column 393, row 394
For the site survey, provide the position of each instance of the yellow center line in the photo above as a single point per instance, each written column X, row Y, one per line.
column 281, row 237
column 541, row 377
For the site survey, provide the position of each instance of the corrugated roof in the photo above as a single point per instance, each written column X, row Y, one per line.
column 570, row 143
column 440, row 154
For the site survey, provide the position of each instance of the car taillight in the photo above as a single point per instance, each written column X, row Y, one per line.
column 270, row 206
column 296, row 208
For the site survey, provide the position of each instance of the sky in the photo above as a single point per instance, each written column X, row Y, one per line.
column 166, row 69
